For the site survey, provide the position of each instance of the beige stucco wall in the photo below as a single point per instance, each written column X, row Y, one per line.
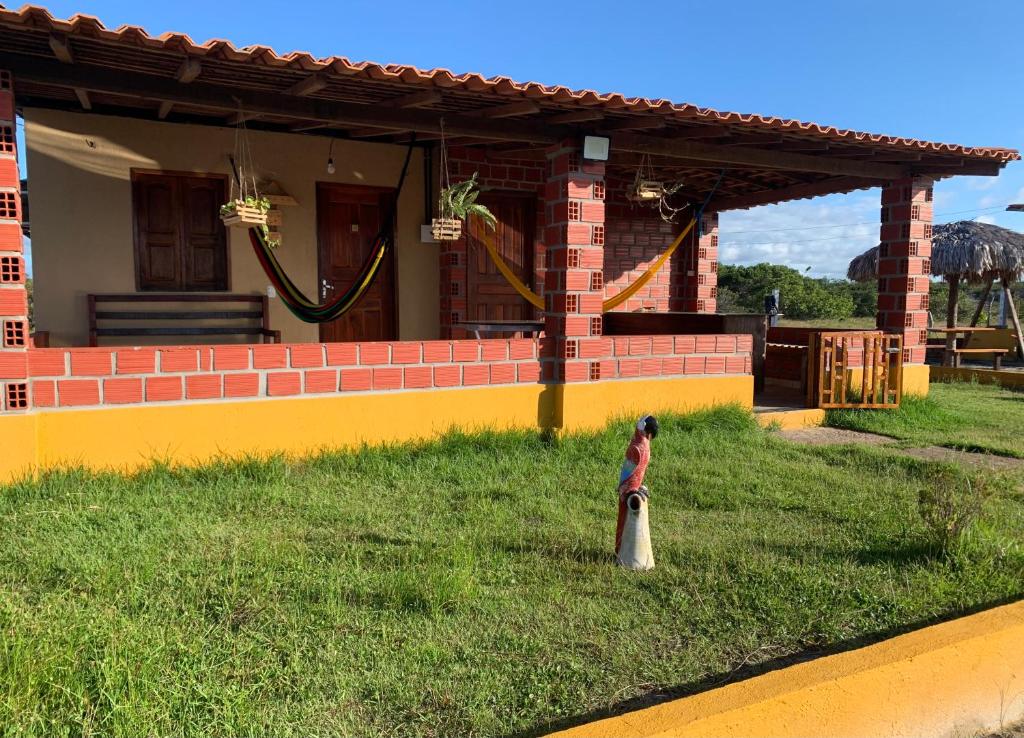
column 79, row 168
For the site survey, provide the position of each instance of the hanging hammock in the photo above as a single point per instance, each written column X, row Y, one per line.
column 296, row 301
column 611, row 303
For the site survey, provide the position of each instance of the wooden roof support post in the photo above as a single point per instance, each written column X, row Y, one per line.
column 952, row 315
column 1008, row 295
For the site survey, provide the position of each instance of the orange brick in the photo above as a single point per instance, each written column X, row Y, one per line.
column 387, row 378
column 269, row 356
column 341, row 354
column 44, row 393
column 179, row 360
column 241, row 385
column 356, row 380
column 76, row 392
column 447, row 376
column 418, row 377
column 226, row 358
column 91, row 363
column 135, row 361
column 321, row 380
column 306, row 355
column 163, row 389
column 281, row 384
column 203, row 387
column 122, row 390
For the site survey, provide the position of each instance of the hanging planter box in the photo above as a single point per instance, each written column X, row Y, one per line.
column 647, row 190
column 240, row 215
column 446, row 229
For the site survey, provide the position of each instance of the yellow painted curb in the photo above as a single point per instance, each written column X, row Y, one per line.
column 1002, row 377
column 955, row 678
column 792, row 419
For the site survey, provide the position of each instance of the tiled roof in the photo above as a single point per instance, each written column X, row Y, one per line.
column 88, row 26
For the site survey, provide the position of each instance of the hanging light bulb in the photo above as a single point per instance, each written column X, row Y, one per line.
column 330, row 159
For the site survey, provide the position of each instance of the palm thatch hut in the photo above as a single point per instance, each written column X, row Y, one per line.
column 981, row 253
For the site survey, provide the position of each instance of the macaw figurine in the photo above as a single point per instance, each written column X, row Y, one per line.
column 634, row 468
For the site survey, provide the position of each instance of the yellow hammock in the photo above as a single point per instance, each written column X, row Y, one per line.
column 611, row 303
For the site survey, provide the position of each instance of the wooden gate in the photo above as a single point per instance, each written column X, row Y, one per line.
column 837, row 357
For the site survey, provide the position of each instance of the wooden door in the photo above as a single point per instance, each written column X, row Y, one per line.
column 489, row 296
column 348, row 220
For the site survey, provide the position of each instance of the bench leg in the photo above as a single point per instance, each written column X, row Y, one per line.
column 997, row 361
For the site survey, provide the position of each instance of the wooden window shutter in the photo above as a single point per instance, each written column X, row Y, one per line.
column 180, row 242
column 157, row 232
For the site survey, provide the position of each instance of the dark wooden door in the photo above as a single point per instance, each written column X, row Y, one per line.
column 180, row 242
column 489, row 295
column 348, row 219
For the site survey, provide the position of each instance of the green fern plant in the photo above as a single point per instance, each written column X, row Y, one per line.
column 459, row 202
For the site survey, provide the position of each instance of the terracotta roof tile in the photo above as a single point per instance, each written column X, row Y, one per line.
column 86, row 25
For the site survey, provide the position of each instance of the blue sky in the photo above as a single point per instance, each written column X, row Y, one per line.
column 943, row 70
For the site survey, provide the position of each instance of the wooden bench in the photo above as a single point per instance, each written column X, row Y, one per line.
column 192, row 315
column 997, row 355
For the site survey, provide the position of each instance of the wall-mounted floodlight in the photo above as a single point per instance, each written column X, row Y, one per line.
column 595, row 148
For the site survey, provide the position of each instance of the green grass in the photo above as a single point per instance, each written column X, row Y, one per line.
column 463, row 587
column 973, row 417
column 847, row 324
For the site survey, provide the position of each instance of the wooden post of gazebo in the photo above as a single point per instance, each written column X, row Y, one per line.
column 952, row 314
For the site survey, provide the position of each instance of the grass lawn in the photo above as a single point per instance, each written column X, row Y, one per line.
column 463, row 587
column 972, row 417
column 846, row 324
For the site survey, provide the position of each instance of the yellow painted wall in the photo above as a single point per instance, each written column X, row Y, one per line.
column 916, row 378
column 1004, row 377
column 129, row 437
column 961, row 678
column 79, row 169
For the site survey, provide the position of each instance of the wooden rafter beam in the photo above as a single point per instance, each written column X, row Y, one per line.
column 414, row 100
column 83, row 98
column 236, row 118
column 793, row 192
column 512, row 110
column 759, row 158
column 634, row 124
column 304, row 126
column 220, row 100
column 189, row 70
column 61, row 48
column 309, row 85
column 164, row 110
column 576, row 116
column 372, row 132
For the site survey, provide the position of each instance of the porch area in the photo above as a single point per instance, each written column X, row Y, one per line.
column 129, row 151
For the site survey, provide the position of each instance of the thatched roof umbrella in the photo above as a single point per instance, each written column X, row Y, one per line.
column 977, row 252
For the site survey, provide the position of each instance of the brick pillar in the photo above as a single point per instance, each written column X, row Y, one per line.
column 904, row 263
column 13, row 295
column 694, row 287
column 574, row 238
column 454, row 303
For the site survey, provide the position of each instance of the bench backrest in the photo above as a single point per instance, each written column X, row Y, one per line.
column 177, row 314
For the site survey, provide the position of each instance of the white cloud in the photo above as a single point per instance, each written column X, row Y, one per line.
column 823, row 233
column 980, row 183
column 990, row 219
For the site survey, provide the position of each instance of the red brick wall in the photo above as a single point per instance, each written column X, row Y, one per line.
column 636, row 236
column 493, row 174
column 112, row 376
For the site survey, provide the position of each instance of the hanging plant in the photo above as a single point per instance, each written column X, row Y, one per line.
column 653, row 193
column 247, row 208
column 250, row 212
column 456, row 203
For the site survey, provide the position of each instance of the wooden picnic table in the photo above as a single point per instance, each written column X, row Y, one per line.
column 953, row 351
